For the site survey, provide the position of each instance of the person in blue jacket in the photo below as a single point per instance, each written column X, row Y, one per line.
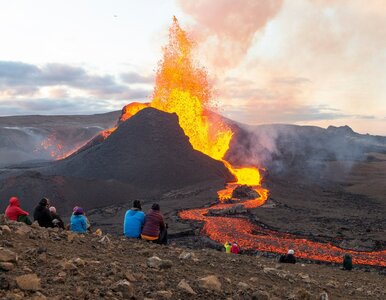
column 134, row 220
column 78, row 222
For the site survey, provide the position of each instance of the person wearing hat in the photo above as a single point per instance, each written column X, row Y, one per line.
column 154, row 228
column 134, row 220
column 42, row 214
column 289, row 258
column 78, row 222
column 57, row 221
column 227, row 247
column 235, row 249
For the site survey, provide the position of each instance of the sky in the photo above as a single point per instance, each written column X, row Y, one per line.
column 306, row 62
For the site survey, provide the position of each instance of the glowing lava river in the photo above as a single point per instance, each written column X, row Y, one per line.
column 250, row 236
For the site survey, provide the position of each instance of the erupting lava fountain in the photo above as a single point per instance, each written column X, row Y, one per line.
column 182, row 87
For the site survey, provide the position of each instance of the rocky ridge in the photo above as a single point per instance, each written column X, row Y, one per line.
column 38, row 263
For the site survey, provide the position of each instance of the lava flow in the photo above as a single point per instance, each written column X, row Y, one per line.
column 250, row 236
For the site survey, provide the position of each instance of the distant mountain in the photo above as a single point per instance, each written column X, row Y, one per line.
column 25, row 138
column 279, row 147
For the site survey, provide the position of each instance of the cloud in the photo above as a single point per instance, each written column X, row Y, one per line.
column 54, row 106
column 229, row 26
column 260, row 113
column 133, row 77
column 61, row 82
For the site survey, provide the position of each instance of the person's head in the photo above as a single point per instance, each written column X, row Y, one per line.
column 52, row 209
column 78, row 210
column 14, row 201
column 44, row 202
column 155, row 206
column 137, row 204
column 291, row 252
column 347, row 256
column 235, row 243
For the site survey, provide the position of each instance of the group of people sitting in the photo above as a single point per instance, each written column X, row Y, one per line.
column 150, row 227
column 47, row 216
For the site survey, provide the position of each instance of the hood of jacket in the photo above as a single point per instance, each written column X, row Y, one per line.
column 14, row 201
column 133, row 211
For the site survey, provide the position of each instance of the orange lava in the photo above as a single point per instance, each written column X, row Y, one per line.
column 250, row 236
column 54, row 147
column 131, row 109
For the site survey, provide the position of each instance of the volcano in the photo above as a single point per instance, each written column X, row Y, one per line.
column 149, row 151
column 146, row 156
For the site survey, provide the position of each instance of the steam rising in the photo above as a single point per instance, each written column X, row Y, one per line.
column 229, row 26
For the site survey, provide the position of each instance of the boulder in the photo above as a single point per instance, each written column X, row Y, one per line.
column 7, row 255
column 28, row 282
column 186, row 255
column 79, row 262
column 125, row 287
column 304, row 277
column 7, row 266
column 210, row 282
column 242, row 286
column 156, row 262
column 183, row 285
column 5, row 229
column 244, row 192
column 164, row 294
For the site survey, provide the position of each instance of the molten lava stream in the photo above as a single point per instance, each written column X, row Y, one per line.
column 250, row 236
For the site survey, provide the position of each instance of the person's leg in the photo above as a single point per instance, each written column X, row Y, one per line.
column 24, row 219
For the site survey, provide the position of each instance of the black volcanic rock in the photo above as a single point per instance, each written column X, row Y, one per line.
column 149, row 151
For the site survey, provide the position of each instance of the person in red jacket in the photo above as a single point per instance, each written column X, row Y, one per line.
column 235, row 248
column 14, row 213
column 154, row 228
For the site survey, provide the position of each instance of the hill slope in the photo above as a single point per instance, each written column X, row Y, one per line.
column 71, row 266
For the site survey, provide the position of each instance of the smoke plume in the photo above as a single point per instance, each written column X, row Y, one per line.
column 229, row 26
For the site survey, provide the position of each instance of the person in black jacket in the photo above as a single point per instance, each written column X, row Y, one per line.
column 57, row 221
column 288, row 258
column 42, row 214
column 347, row 262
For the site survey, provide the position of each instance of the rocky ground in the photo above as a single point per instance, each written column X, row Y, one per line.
column 39, row 263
